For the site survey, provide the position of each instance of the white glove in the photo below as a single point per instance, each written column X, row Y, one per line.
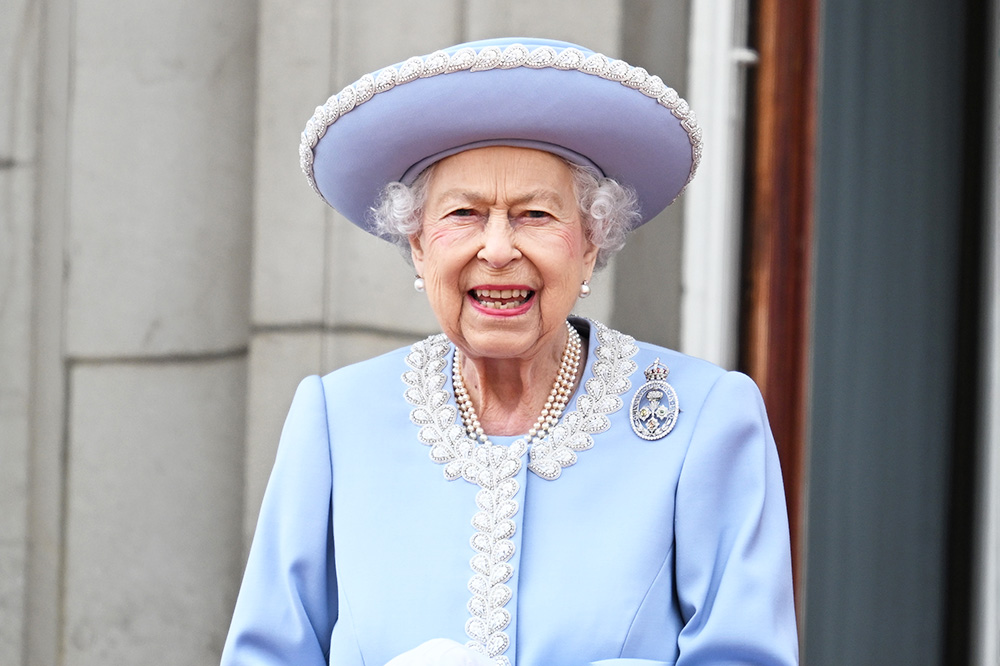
column 441, row 652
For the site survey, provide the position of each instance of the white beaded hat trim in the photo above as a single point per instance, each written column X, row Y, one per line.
column 495, row 57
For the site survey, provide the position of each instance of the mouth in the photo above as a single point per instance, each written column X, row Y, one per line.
column 501, row 299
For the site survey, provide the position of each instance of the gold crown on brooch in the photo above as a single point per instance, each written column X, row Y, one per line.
column 657, row 372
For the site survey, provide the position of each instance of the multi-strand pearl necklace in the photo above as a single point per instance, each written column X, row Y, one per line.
column 559, row 396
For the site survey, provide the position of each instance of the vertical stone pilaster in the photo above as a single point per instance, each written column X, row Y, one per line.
column 294, row 70
column 47, row 408
column 156, row 312
column 19, row 54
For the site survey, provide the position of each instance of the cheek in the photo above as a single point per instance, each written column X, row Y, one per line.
column 445, row 301
column 445, row 256
column 565, row 246
column 444, row 245
column 437, row 236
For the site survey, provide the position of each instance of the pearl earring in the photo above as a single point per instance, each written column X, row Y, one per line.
column 418, row 284
column 585, row 289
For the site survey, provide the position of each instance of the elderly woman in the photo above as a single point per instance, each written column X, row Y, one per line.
column 576, row 507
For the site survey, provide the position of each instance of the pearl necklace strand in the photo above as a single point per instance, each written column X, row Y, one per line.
column 559, row 396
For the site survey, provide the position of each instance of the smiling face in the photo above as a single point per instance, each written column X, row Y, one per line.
column 502, row 251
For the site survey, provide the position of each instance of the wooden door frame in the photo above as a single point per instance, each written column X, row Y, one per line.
column 781, row 140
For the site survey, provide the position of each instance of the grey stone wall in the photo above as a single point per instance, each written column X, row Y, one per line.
column 18, row 64
column 126, row 200
column 167, row 277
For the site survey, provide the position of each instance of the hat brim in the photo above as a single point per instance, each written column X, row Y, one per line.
column 542, row 94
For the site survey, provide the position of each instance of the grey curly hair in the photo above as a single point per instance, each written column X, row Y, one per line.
column 610, row 210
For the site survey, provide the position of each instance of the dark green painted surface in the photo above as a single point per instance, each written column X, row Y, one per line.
column 888, row 224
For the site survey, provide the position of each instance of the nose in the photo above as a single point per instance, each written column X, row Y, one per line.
column 499, row 248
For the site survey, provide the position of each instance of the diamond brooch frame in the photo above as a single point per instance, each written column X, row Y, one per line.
column 654, row 408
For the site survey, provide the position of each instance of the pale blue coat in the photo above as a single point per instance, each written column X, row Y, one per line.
column 672, row 551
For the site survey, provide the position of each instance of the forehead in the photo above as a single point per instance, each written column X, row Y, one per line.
column 505, row 170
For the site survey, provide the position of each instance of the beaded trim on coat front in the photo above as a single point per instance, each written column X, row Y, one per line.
column 495, row 57
column 494, row 468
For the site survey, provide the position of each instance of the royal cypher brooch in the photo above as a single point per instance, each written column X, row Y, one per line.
column 654, row 407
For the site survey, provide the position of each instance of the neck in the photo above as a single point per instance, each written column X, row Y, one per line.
column 509, row 394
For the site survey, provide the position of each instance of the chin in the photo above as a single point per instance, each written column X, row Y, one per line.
column 513, row 339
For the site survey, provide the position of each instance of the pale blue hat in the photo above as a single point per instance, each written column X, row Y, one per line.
column 555, row 96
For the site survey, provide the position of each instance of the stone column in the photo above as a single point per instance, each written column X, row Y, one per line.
column 19, row 51
column 140, row 319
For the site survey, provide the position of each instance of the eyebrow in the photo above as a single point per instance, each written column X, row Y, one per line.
column 540, row 195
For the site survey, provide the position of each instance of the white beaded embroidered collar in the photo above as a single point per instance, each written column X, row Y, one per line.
column 435, row 413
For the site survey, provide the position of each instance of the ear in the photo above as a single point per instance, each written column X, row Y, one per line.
column 589, row 259
column 417, row 254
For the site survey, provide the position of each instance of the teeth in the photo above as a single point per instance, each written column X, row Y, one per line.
column 512, row 298
column 502, row 293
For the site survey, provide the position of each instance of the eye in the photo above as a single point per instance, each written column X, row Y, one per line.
column 462, row 212
column 536, row 214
